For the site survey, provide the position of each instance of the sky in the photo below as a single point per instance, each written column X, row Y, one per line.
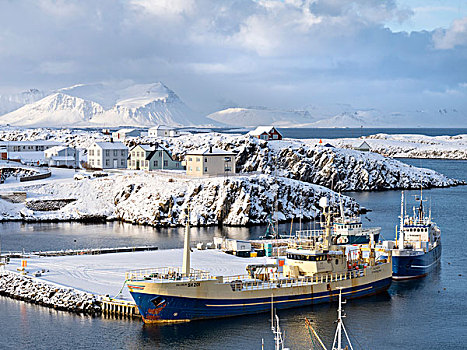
column 321, row 55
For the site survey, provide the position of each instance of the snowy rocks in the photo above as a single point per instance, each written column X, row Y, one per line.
column 335, row 168
column 34, row 291
column 236, row 200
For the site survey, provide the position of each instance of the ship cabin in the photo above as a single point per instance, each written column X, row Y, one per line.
column 346, row 226
column 311, row 262
column 420, row 236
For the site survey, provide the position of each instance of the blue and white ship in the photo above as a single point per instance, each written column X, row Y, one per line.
column 315, row 271
column 349, row 230
column 417, row 250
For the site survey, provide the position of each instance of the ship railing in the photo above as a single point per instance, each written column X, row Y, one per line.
column 167, row 273
column 239, row 283
column 307, row 234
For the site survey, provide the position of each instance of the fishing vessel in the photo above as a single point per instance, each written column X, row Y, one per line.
column 349, row 229
column 314, row 272
column 417, row 250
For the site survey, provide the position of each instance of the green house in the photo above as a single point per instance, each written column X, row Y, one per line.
column 150, row 157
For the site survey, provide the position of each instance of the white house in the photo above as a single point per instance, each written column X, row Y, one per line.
column 163, row 131
column 122, row 134
column 61, row 155
column 107, row 155
column 28, row 146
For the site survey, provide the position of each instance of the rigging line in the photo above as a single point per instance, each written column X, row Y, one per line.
column 355, row 338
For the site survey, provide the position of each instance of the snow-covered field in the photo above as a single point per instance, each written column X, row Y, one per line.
column 105, row 274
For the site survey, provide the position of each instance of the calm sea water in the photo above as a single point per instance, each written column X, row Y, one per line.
column 428, row 313
column 334, row 133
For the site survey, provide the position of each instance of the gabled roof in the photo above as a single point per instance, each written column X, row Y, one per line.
column 210, row 151
column 364, row 144
column 55, row 149
column 261, row 130
column 111, row 145
column 29, row 143
column 124, row 131
column 162, row 127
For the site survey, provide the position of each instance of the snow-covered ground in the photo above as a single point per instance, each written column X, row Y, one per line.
column 105, row 274
column 410, row 146
column 161, row 198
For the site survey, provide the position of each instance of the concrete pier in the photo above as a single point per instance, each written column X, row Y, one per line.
column 118, row 307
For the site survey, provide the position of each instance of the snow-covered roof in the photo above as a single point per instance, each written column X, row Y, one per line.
column 111, row 145
column 261, row 130
column 55, row 149
column 150, row 148
column 162, row 127
column 62, row 158
column 26, row 143
column 124, row 131
column 363, row 145
column 210, row 151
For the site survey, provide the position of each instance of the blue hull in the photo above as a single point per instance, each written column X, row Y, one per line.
column 159, row 308
column 408, row 267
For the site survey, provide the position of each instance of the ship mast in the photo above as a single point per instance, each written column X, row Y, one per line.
column 323, row 203
column 401, row 229
column 340, row 327
column 186, row 247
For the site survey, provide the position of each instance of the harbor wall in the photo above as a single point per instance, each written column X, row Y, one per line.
column 28, row 289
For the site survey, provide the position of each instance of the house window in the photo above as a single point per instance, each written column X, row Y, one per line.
column 206, row 160
column 205, row 170
column 227, row 159
column 122, row 162
column 98, row 152
column 190, row 159
column 91, row 152
column 107, row 162
column 166, row 163
column 160, row 153
column 227, row 169
column 177, row 165
column 191, row 169
column 107, row 152
column 274, row 136
column 197, row 168
column 98, row 162
column 156, row 163
column 198, row 159
column 122, row 153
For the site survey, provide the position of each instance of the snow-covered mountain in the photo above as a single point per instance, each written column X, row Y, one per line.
column 57, row 109
column 354, row 119
column 11, row 102
column 107, row 105
column 249, row 117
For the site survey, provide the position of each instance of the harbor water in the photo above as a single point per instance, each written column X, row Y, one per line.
column 428, row 313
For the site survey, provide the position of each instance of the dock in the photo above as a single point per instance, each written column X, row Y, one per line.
column 93, row 251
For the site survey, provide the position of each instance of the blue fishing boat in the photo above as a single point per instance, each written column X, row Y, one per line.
column 417, row 250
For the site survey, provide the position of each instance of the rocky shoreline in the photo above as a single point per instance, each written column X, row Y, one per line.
column 28, row 289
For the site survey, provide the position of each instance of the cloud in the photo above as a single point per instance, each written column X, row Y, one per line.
column 455, row 35
column 288, row 53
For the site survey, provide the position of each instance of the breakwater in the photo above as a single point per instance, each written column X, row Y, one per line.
column 28, row 289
